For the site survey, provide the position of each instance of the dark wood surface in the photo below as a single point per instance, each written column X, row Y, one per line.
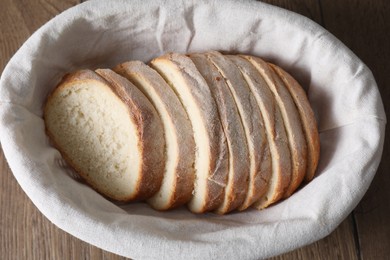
column 364, row 26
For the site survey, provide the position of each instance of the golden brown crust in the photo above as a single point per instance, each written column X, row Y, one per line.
column 286, row 154
column 250, row 113
column 276, row 135
column 291, row 120
column 218, row 161
column 73, row 77
column 149, row 127
column 308, row 120
column 68, row 81
column 237, row 186
column 178, row 126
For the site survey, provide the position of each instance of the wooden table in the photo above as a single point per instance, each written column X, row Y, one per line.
column 363, row 25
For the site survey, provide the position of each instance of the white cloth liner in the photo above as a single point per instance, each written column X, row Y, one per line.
column 102, row 33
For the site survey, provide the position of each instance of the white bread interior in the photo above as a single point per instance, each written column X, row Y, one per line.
column 211, row 158
column 93, row 129
column 150, row 133
column 178, row 181
column 238, row 176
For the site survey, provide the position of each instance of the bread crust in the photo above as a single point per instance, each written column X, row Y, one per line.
column 216, row 132
column 88, row 76
column 308, row 119
column 176, row 125
column 275, row 132
column 291, row 120
column 66, row 81
column 195, row 86
column 237, row 185
column 250, row 114
column 149, row 127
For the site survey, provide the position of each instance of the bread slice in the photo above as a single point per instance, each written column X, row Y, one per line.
column 308, row 120
column 238, row 179
column 211, row 159
column 275, row 132
column 292, row 122
column 178, row 181
column 107, row 141
column 252, row 121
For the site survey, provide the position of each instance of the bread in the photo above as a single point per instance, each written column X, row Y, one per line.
column 308, row 120
column 211, row 161
column 252, row 121
column 178, row 181
column 275, row 132
column 214, row 132
column 292, row 122
column 238, row 172
column 102, row 126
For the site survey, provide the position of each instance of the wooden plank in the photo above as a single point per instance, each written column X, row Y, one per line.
column 13, row 31
column 338, row 245
column 36, row 13
column 19, row 19
column 26, row 234
column 308, row 8
column 364, row 26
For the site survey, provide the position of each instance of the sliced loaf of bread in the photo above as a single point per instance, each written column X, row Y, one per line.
column 214, row 132
column 211, row 158
column 178, row 181
column 108, row 132
column 275, row 132
column 238, row 176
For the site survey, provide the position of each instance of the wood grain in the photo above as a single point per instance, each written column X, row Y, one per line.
column 362, row 25
column 308, row 8
column 24, row 232
column 11, row 21
column 340, row 244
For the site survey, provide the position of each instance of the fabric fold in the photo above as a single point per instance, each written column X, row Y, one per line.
column 102, row 34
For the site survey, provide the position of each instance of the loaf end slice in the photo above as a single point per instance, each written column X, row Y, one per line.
column 96, row 133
